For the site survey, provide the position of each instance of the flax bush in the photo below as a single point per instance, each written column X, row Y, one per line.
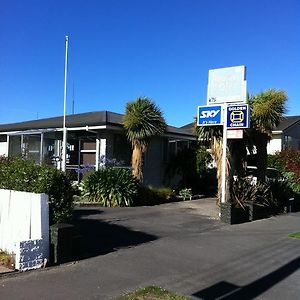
column 111, row 187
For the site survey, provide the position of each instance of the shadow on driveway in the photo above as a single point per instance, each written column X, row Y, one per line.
column 93, row 236
column 227, row 291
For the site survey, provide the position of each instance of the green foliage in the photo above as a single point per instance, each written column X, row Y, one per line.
column 288, row 162
column 243, row 193
column 203, row 159
column 143, row 120
column 273, row 194
column 267, row 109
column 7, row 260
column 111, row 187
column 151, row 293
column 293, row 181
column 274, row 161
column 149, row 195
column 185, row 194
column 191, row 165
column 59, row 187
column 23, row 175
column 295, row 235
column 280, row 191
column 206, row 134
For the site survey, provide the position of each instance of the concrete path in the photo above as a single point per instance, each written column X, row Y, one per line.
column 4, row 270
column 177, row 247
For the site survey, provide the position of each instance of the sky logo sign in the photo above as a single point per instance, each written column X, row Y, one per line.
column 209, row 115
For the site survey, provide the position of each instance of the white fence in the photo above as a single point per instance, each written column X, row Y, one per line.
column 24, row 227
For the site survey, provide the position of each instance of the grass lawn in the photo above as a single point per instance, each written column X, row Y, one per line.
column 295, row 235
column 151, row 293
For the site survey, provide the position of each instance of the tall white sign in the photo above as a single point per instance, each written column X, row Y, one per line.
column 227, row 85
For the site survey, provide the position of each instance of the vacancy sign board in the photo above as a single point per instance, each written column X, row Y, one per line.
column 235, row 134
column 209, row 115
column 227, row 85
column 238, row 116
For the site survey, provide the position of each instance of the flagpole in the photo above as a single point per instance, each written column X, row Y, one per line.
column 64, row 142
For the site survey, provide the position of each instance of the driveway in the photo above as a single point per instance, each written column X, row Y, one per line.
column 179, row 246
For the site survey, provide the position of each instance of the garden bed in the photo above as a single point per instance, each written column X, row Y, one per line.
column 7, row 260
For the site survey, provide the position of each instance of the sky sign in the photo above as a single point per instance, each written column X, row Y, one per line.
column 227, row 85
column 209, row 115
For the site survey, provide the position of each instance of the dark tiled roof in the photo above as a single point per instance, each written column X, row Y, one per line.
column 182, row 131
column 79, row 120
column 189, row 126
column 287, row 122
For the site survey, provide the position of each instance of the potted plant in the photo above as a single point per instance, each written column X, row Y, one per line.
column 236, row 210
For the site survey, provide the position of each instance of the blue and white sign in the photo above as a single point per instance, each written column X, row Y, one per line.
column 238, row 116
column 209, row 115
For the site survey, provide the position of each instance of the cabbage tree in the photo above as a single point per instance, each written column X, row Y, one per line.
column 267, row 109
column 143, row 120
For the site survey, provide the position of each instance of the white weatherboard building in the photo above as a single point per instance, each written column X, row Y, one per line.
column 286, row 135
column 93, row 138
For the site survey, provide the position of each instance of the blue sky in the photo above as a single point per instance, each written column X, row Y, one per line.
column 122, row 49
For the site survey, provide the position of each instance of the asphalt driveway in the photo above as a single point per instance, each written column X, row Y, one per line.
column 181, row 247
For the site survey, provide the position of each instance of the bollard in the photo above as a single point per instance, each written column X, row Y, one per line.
column 61, row 249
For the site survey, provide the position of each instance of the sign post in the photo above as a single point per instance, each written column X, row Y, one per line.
column 226, row 105
column 224, row 157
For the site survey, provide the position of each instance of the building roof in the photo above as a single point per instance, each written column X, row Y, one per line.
column 189, row 127
column 76, row 120
column 287, row 122
column 96, row 118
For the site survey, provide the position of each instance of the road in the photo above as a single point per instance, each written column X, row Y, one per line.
column 181, row 247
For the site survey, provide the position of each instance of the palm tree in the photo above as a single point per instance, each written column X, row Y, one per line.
column 212, row 137
column 143, row 120
column 267, row 109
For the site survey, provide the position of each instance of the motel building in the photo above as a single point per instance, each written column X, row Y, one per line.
column 93, row 139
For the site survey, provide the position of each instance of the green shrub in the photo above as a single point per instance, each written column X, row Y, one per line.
column 23, row 175
column 58, row 186
column 288, row 162
column 7, row 260
column 149, row 195
column 293, row 181
column 243, row 193
column 273, row 194
column 280, row 191
column 111, row 187
column 191, row 165
column 203, row 160
column 185, row 194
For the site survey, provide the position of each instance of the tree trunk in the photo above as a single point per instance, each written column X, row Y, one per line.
column 137, row 162
column 216, row 148
column 238, row 154
column 262, row 157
